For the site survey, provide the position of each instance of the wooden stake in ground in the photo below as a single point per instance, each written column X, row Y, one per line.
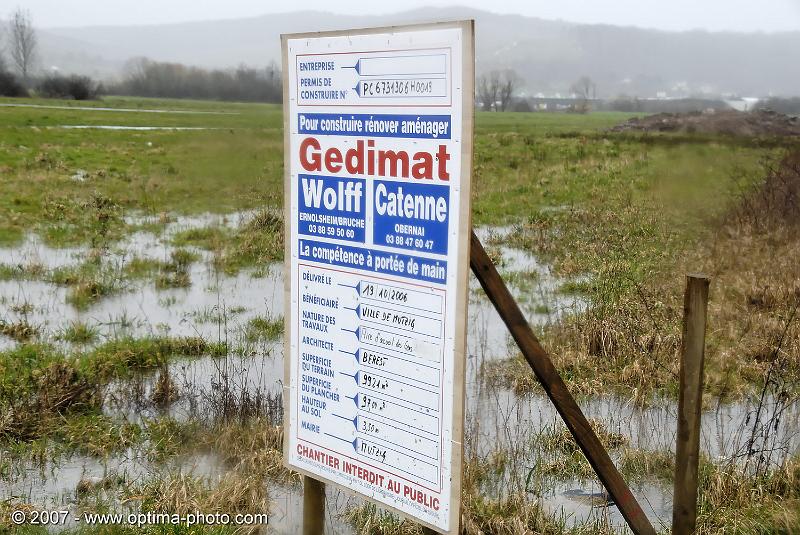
column 690, row 401
column 551, row 381
column 313, row 506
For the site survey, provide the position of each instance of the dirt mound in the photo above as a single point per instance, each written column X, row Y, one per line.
column 728, row 122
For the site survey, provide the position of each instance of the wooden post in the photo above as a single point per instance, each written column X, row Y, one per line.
column 552, row 383
column 690, row 401
column 313, row 506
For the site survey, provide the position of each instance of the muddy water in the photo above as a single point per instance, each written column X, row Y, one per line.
column 214, row 306
column 218, row 307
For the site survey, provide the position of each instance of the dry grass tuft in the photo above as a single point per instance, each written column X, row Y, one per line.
column 255, row 446
column 181, row 493
column 165, row 391
column 559, row 438
column 732, row 501
column 368, row 519
column 628, row 341
column 59, row 389
column 776, row 201
column 512, row 515
column 21, row 331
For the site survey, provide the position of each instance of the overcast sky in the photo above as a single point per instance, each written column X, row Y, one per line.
column 738, row 15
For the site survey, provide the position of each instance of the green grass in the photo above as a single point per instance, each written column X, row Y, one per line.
column 88, row 282
column 546, row 124
column 97, row 277
column 21, row 330
column 522, row 162
column 21, row 272
column 618, row 208
column 21, row 368
column 521, row 175
column 138, row 268
column 41, row 385
column 209, row 238
column 95, row 434
column 614, row 211
column 256, row 243
column 78, row 332
column 236, row 166
column 168, row 437
column 212, row 114
column 620, row 217
column 261, row 328
column 172, row 273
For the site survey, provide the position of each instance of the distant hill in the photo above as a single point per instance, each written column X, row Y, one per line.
column 549, row 55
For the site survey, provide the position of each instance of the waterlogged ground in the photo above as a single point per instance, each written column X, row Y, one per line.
column 501, row 425
column 138, row 309
column 141, row 247
column 213, row 306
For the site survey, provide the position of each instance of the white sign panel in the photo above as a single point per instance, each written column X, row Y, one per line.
column 378, row 160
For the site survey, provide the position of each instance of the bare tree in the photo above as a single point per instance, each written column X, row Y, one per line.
column 509, row 82
column 23, row 42
column 488, row 89
column 147, row 78
column 584, row 89
column 496, row 89
column 3, row 65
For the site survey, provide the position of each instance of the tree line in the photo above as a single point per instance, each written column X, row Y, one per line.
column 19, row 57
column 496, row 90
column 17, row 78
column 147, row 78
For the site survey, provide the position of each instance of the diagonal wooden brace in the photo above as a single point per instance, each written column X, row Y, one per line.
column 551, row 381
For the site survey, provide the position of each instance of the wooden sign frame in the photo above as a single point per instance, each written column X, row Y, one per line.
column 462, row 241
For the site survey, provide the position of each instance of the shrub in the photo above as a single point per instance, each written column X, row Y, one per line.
column 146, row 78
column 74, row 87
column 775, row 202
column 10, row 86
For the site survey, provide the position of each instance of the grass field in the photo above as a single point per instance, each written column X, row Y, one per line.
column 618, row 219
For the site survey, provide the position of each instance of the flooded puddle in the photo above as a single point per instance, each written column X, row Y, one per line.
column 218, row 307
column 214, row 306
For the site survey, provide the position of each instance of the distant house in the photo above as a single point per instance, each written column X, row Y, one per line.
column 558, row 103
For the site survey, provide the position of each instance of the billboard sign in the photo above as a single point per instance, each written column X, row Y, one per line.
column 378, row 141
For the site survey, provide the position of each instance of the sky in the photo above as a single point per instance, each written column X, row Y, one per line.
column 677, row 15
